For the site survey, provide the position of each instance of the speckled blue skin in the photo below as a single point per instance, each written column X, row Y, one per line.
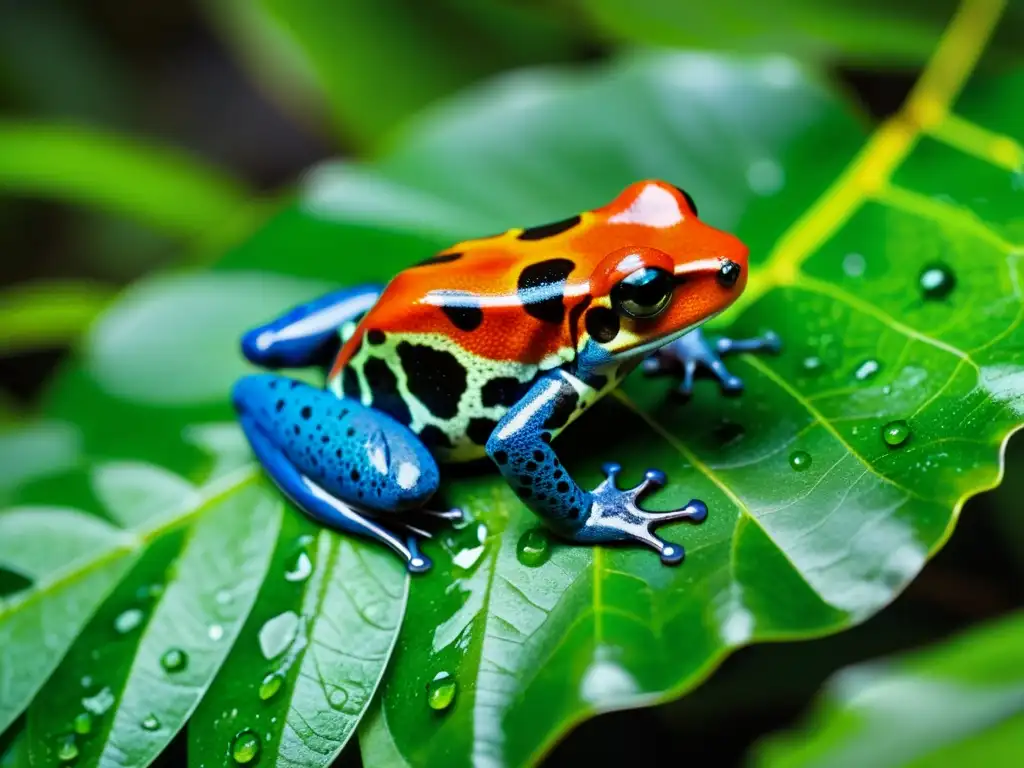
column 359, row 470
column 336, row 459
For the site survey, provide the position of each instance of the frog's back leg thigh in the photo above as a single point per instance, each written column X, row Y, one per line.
column 308, row 334
column 342, row 463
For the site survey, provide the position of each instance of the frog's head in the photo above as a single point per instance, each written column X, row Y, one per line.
column 680, row 273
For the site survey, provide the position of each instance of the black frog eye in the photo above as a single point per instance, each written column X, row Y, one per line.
column 644, row 293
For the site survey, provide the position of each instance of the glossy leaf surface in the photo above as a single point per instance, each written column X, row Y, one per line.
column 842, row 228
column 959, row 703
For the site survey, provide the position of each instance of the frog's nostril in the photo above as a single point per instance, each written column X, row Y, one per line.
column 729, row 273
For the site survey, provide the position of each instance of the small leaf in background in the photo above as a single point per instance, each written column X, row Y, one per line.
column 873, row 32
column 958, row 703
column 41, row 315
column 421, row 52
column 161, row 187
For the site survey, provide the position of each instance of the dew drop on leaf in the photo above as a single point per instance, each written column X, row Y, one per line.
column 866, row 370
column 278, row 633
column 534, row 548
column 224, row 597
column 150, row 723
column 245, row 747
column 270, row 685
column 82, row 723
column 174, row 660
column 854, row 264
column 813, row 364
column 128, row 620
column 215, row 632
column 300, row 569
column 937, row 281
column 896, row 433
column 441, row 691
column 338, row 698
column 100, row 703
column 800, row 460
column 67, row 750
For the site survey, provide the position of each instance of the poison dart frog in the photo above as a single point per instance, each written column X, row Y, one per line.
column 492, row 348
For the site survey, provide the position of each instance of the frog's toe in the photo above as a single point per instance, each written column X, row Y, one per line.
column 731, row 384
column 615, row 514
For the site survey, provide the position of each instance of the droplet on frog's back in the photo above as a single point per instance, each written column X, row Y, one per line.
column 245, row 747
column 441, row 691
column 896, row 433
column 800, row 460
column 174, row 660
column 937, row 281
column 533, row 548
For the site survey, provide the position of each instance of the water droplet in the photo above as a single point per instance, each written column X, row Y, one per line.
column 765, row 177
column 300, row 569
column 278, row 633
column 534, row 548
column 937, row 281
column 338, row 698
column 150, row 723
column 86, row 681
column 246, row 747
column 270, row 685
column 149, row 592
column 174, row 660
column 854, row 264
column 800, row 460
column 896, row 433
column 82, row 723
column 224, row 597
column 99, row 703
column 215, row 632
column 67, row 750
column 866, row 370
column 128, row 620
column 472, row 547
column 441, row 691
column 813, row 364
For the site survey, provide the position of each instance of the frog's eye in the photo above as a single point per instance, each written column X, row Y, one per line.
column 644, row 293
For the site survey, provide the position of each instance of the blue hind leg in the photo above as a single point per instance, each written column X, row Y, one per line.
column 309, row 334
column 344, row 464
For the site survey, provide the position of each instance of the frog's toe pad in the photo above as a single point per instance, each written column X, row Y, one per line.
column 615, row 514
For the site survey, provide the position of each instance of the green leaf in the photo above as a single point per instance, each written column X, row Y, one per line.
column 157, row 186
column 421, row 52
column 869, row 31
column 48, row 314
column 338, row 606
column 960, row 703
column 147, row 663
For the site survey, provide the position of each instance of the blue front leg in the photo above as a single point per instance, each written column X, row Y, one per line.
column 521, row 447
column 309, row 334
column 342, row 463
column 693, row 351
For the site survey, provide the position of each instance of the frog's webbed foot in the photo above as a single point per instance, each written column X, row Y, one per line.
column 694, row 351
column 615, row 514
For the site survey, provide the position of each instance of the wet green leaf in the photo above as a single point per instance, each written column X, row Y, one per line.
column 959, row 703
